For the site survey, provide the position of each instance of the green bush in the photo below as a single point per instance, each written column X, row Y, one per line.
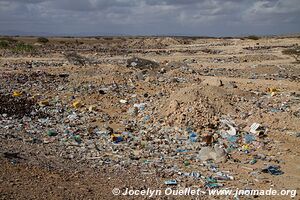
column 4, row 44
column 253, row 37
column 42, row 40
column 10, row 40
column 23, row 48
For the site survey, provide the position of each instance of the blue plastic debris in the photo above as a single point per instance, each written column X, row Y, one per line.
column 274, row 170
column 232, row 139
column 195, row 175
column 181, row 150
column 212, row 183
column 171, row 182
column 249, row 138
column 193, row 137
column 253, row 161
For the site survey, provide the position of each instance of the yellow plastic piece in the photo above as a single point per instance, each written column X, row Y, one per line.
column 17, row 93
column 44, row 103
column 77, row 104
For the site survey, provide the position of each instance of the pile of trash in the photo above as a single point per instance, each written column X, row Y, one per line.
column 15, row 105
column 184, row 140
column 186, row 123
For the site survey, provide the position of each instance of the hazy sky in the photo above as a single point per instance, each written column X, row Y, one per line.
column 150, row 17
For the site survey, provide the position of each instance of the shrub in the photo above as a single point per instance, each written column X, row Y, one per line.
column 6, row 42
column 3, row 44
column 294, row 52
column 21, row 47
column 9, row 40
column 253, row 37
column 42, row 40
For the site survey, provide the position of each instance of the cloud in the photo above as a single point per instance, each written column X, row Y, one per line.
column 271, row 12
column 197, row 17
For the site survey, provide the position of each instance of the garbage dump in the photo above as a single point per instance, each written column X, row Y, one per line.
column 120, row 113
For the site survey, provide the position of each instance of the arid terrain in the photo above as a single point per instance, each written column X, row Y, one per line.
column 81, row 116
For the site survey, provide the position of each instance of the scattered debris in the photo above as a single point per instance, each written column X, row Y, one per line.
column 141, row 63
column 274, row 170
column 258, row 129
column 183, row 118
column 171, row 182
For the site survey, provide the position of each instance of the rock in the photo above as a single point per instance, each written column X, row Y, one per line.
column 92, row 108
column 213, row 82
column 76, row 59
column 217, row 154
column 231, row 84
column 174, row 106
column 133, row 111
column 207, row 138
column 140, row 76
column 297, row 113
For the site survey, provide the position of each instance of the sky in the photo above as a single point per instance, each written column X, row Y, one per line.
column 149, row 17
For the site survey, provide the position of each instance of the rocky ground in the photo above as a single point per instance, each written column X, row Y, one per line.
column 81, row 116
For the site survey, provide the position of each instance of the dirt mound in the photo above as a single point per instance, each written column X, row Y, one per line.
column 154, row 43
column 169, row 41
column 141, row 63
column 197, row 106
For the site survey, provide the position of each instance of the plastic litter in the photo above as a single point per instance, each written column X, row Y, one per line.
column 17, row 94
column 77, row 138
column 258, row 129
column 140, row 106
column 212, row 183
column 217, row 154
column 195, row 175
column 193, row 137
column 249, row 138
column 52, row 133
column 123, row 101
column 171, row 182
column 232, row 139
column 117, row 138
column 246, row 148
column 274, row 170
column 223, row 176
column 212, row 167
column 253, row 161
column 44, row 103
column 92, row 108
column 232, row 130
column 77, row 104
column 181, row 150
column 186, row 163
column 211, row 180
column 272, row 90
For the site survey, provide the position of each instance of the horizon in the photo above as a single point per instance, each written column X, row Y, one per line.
column 207, row 18
column 78, row 35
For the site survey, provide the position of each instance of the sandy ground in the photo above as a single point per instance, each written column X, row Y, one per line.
column 189, row 69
